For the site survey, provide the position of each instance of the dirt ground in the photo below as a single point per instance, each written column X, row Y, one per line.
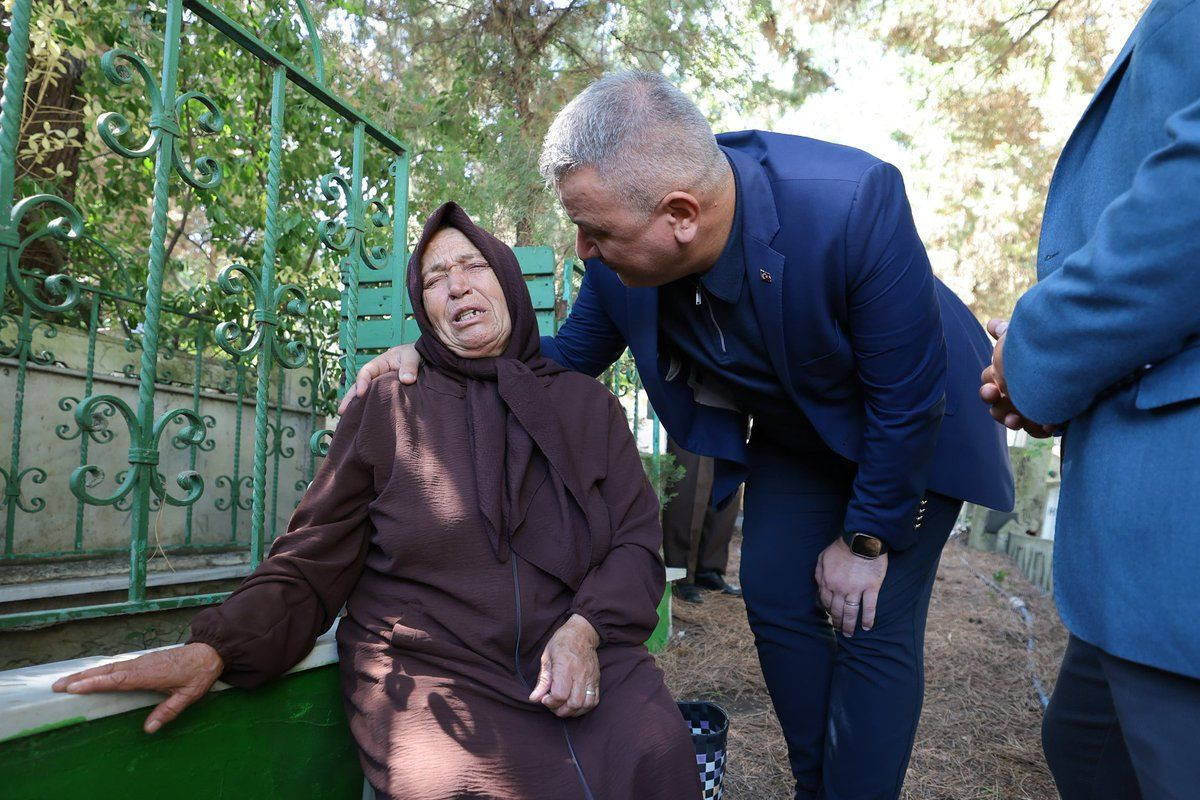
column 980, row 728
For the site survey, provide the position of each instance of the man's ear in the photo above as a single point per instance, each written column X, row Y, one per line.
column 683, row 211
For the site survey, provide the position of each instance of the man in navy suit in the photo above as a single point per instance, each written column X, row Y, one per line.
column 781, row 279
column 1108, row 344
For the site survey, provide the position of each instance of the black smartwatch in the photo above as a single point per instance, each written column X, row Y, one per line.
column 864, row 545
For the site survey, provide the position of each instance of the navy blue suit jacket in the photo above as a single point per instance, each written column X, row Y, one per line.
column 1119, row 288
column 879, row 354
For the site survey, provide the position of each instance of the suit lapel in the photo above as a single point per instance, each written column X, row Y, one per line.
column 1116, row 68
column 1048, row 244
column 764, row 266
column 767, row 295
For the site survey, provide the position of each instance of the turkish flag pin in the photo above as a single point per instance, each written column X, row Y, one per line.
column 766, row 276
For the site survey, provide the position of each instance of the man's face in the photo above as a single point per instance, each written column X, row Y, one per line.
column 642, row 250
column 463, row 298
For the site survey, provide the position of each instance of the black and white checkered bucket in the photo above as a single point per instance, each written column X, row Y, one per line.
column 709, row 726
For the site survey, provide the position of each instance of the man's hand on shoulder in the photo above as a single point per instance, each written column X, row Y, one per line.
column 994, row 390
column 402, row 358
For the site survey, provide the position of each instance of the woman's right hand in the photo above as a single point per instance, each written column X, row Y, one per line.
column 402, row 358
column 185, row 673
column 569, row 681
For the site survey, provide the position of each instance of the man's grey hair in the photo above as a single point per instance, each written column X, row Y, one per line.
column 643, row 136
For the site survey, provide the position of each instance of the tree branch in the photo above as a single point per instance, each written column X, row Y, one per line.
column 179, row 229
column 548, row 31
column 998, row 63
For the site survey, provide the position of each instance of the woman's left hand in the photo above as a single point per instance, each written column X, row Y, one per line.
column 569, row 681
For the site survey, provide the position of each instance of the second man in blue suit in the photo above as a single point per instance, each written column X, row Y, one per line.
column 1107, row 346
column 780, row 280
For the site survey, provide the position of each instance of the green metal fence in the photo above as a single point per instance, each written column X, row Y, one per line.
column 267, row 331
column 191, row 369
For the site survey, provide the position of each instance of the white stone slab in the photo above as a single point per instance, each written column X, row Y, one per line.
column 27, row 704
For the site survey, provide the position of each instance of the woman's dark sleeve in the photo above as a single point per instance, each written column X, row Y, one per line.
column 620, row 596
column 271, row 620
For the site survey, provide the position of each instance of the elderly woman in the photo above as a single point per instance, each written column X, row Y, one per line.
column 495, row 542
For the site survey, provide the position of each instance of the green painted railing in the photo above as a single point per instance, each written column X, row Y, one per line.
column 183, row 370
column 267, row 335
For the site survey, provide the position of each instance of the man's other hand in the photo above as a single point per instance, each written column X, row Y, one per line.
column 994, row 390
column 402, row 358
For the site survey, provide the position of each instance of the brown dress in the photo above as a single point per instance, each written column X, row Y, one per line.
column 441, row 642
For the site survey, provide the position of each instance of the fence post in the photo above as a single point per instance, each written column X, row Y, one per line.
column 143, row 452
column 11, row 105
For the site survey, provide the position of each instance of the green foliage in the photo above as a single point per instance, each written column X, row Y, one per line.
column 209, row 228
column 665, row 473
column 996, row 75
column 66, row 94
column 473, row 87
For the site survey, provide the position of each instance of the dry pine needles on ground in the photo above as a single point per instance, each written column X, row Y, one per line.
column 979, row 735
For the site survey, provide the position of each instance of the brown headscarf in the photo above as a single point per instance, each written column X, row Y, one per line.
column 520, row 424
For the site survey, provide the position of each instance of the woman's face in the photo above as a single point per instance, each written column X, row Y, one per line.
column 463, row 298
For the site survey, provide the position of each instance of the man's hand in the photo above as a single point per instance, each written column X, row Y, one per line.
column 185, row 673
column 994, row 390
column 848, row 583
column 569, row 681
column 402, row 358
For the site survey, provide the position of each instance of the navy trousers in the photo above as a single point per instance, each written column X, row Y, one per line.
column 848, row 706
column 1116, row 730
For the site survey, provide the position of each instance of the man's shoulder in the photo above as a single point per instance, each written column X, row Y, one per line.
column 787, row 157
column 1180, row 17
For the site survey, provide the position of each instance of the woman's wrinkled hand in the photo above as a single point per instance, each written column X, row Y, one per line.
column 402, row 358
column 185, row 673
column 569, row 681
